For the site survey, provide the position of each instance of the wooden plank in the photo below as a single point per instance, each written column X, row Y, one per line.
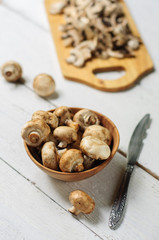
column 29, row 214
column 125, row 108
column 101, row 187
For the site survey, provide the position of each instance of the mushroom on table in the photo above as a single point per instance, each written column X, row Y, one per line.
column 11, row 71
column 81, row 202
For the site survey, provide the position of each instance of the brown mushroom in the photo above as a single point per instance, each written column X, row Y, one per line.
column 49, row 117
column 86, row 118
column 49, row 155
column 44, row 85
column 81, row 202
column 65, row 135
column 34, row 132
column 99, row 132
column 65, row 115
column 95, row 148
column 11, row 71
column 88, row 162
column 71, row 161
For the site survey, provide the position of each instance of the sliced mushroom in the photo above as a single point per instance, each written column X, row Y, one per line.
column 95, row 148
column 49, row 117
column 65, row 135
column 81, row 202
column 71, row 161
column 65, row 116
column 35, row 132
column 57, row 7
column 49, row 155
column 99, row 132
column 87, row 19
column 85, row 118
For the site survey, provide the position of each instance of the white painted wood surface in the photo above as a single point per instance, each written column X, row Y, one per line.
column 34, row 206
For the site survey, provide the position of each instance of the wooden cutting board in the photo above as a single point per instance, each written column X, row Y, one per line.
column 134, row 68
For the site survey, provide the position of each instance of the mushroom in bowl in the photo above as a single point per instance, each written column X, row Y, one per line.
column 73, row 157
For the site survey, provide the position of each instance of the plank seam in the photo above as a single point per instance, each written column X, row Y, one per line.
column 34, row 184
column 140, row 165
column 24, row 17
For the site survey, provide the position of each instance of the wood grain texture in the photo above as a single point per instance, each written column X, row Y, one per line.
column 104, row 121
column 124, row 108
column 135, row 68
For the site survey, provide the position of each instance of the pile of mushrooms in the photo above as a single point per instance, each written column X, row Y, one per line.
column 68, row 142
column 95, row 28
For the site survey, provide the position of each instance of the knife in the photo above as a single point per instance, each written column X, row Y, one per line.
column 134, row 149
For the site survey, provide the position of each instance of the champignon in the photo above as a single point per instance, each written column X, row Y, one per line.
column 49, row 155
column 65, row 135
column 95, row 148
column 11, row 71
column 99, row 132
column 57, row 7
column 86, row 118
column 34, row 132
column 65, row 115
column 44, row 85
column 88, row 162
column 86, row 20
column 49, row 117
column 71, row 161
column 81, row 202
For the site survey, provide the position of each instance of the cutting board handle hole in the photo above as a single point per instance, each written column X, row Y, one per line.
column 111, row 74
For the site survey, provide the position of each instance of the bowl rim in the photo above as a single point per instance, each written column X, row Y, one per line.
column 99, row 167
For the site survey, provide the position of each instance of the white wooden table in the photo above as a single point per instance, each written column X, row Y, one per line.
column 33, row 205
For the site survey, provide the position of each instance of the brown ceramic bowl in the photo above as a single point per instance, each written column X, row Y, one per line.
column 106, row 122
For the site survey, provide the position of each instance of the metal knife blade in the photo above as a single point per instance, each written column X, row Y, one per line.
column 134, row 149
column 136, row 140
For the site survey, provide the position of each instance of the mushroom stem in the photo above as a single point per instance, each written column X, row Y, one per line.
column 74, row 210
column 34, row 137
column 79, row 167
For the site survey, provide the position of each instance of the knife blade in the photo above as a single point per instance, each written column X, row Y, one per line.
column 134, row 149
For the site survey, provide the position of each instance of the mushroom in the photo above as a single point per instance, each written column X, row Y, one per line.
column 88, row 162
column 44, row 85
column 49, row 156
column 34, row 132
column 87, row 19
column 95, row 148
column 65, row 135
column 49, row 117
column 99, row 132
column 65, row 115
column 57, row 7
column 85, row 118
column 81, row 202
column 11, row 71
column 71, row 161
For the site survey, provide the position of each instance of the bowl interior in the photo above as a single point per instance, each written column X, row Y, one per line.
column 106, row 122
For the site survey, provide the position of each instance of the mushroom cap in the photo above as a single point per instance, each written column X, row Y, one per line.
column 63, row 113
column 49, row 155
column 11, row 71
column 44, row 85
column 65, row 134
column 49, row 117
column 81, row 201
column 34, row 132
column 71, row 160
column 95, row 148
column 85, row 118
column 99, row 132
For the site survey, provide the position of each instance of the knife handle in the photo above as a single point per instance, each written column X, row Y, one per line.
column 120, row 201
